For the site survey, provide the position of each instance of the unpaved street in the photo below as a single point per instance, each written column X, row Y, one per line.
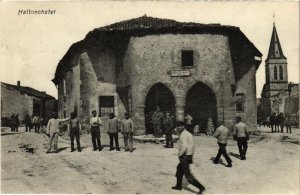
column 272, row 166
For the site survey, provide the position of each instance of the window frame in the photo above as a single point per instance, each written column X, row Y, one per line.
column 185, row 62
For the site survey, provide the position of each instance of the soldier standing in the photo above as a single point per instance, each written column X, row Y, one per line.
column 53, row 130
column 185, row 153
column 156, row 119
column 74, row 128
column 127, row 131
column 95, row 123
column 280, row 121
column 242, row 137
column 168, row 125
column 288, row 123
column 113, row 129
column 28, row 122
column 273, row 122
column 221, row 134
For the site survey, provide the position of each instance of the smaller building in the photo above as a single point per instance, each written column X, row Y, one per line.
column 21, row 100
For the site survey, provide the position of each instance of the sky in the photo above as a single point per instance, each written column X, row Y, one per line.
column 32, row 45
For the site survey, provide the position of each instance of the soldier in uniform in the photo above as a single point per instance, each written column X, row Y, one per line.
column 156, row 119
column 168, row 126
column 113, row 129
column 221, row 134
column 127, row 131
column 185, row 153
column 74, row 129
column 241, row 135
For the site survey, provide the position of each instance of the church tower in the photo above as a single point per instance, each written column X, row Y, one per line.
column 276, row 73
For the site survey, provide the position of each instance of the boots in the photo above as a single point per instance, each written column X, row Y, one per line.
column 178, row 184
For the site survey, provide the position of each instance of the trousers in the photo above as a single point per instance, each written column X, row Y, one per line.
column 128, row 140
column 222, row 151
column 242, row 145
column 95, row 132
column 74, row 133
column 169, row 139
column 183, row 169
column 288, row 128
column 54, row 140
column 112, row 137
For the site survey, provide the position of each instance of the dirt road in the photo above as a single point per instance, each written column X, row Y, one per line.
column 272, row 166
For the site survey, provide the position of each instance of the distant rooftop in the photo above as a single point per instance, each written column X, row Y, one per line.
column 27, row 90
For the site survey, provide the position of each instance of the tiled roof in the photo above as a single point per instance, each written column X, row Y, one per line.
column 241, row 48
column 27, row 90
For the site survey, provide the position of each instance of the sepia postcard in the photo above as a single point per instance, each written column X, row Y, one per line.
column 149, row 97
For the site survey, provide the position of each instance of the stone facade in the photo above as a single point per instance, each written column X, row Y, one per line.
column 127, row 67
column 16, row 99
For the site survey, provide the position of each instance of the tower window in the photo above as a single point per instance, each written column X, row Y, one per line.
column 275, row 73
column 280, row 73
column 187, row 58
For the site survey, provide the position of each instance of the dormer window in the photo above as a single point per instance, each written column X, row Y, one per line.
column 187, row 58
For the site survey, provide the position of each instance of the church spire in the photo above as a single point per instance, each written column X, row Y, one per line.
column 275, row 50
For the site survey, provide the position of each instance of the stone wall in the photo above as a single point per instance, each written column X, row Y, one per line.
column 149, row 60
column 13, row 102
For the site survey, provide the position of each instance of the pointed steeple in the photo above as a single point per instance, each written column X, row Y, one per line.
column 275, row 50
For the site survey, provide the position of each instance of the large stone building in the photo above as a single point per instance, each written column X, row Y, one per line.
column 207, row 70
column 21, row 100
column 277, row 94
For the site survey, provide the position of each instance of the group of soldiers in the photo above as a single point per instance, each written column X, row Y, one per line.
column 115, row 126
column 277, row 123
column 35, row 122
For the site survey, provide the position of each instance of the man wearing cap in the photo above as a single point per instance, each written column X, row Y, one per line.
column 221, row 134
column 113, row 129
column 127, row 131
column 95, row 122
column 185, row 153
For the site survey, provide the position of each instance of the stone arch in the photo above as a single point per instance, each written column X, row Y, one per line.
column 201, row 104
column 158, row 95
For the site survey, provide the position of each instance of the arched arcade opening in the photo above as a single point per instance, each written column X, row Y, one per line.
column 201, row 104
column 158, row 95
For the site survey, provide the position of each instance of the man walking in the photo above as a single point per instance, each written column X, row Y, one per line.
column 53, row 130
column 156, row 119
column 185, row 153
column 221, row 134
column 113, row 129
column 127, row 131
column 168, row 126
column 241, row 135
column 95, row 123
column 74, row 129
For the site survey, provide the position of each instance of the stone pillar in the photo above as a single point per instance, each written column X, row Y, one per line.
column 138, row 119
column 180, row 106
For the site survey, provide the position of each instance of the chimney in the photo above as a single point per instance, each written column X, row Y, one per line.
column 18, row 84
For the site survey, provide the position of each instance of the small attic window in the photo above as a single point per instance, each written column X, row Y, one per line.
column 187, row 58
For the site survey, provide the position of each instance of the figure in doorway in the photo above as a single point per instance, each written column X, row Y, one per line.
column 210, row 127
column 157, row 119
column 13, row 123
column 168, row 126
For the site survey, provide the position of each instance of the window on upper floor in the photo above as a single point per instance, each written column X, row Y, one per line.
column 280, row 73
column 239, row 102
column 187, row 58
column 275, row 73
